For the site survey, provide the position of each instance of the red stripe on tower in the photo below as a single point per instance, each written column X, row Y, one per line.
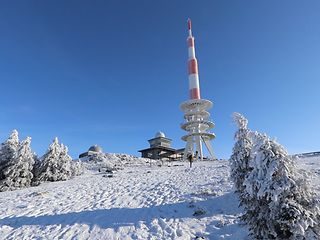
column 190, row 41
column 193, row 66
column 195, row 93
column 194, row 89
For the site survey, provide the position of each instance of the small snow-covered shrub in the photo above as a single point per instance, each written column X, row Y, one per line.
column 16, row 163
column 102, row 162
column 77, row 168
column 113, row 161
column 56, row 164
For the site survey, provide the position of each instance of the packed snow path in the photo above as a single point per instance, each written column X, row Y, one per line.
column 139, row 202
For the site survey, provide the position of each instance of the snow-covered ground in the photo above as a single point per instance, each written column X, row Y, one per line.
column 138, row 202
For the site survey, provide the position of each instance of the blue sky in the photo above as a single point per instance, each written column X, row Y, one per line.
column 114, row 73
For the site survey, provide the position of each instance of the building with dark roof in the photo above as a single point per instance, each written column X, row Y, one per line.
column 160, row 148
column 93, row 150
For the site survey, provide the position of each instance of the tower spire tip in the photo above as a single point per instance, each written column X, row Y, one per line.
column 189, row 24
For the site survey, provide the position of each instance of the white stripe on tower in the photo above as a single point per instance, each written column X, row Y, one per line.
column 194, row 87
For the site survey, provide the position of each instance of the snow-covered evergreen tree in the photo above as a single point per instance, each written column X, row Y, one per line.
column 8, row 151
column 77, row 168
column 56, row 164
column 18, row 163
column 241, row 156
column 281, row 204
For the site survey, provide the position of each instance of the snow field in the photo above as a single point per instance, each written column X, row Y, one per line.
column 138, row 202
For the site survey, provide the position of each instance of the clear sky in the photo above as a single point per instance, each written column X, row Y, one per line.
column 114, row 73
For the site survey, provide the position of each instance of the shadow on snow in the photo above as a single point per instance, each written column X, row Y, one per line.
column 118, row 217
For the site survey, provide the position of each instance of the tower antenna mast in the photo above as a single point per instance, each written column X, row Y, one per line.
column 197, row 118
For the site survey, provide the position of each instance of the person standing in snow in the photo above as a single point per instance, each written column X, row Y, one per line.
column 190, row 158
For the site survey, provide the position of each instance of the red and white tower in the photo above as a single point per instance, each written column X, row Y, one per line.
column 194, row 88
column 195, row 111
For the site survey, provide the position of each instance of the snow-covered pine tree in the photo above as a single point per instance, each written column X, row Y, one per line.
column 240, row 158
column 8, row 151
column 17, row 172
column 56, row 164
column 282, row 205
column 73, row 168
column 77, row 168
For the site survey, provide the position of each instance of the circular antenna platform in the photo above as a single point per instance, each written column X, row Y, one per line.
column 204, row 125
column 204, row 114
column 204, row 136
column 196, row 105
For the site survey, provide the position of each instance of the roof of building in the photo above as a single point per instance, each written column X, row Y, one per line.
column 160, row 134
column 159, row 147
column 95, row 148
